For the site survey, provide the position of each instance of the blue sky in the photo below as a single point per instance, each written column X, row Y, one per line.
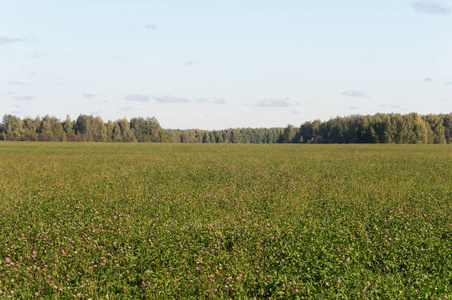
column 221, row 64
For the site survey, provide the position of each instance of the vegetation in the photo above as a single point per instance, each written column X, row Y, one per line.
column 116, row 221
column 93, row 129
column 380, row 128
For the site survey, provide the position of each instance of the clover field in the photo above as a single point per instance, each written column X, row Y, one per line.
column 225, row 221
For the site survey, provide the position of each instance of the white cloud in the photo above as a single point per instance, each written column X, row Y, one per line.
column 150, row 26
column 211, row 101
column 201, row 100
column 89, row 95
column 219, row 101
column 274, row 102
column 171, row 99
column 189, row 63
column 17, row 83
column 24, row 98
column 37, row 55
column 138, row 98
column 6, row 40
column 354, row 93
column 430, row 7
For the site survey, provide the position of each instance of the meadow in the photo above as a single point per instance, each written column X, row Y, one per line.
column 225, row 221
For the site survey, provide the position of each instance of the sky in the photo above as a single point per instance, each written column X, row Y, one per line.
column 217, row 64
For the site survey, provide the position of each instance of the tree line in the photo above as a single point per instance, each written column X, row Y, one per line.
column 88, row 128
column 392, row 128
column 379, row 128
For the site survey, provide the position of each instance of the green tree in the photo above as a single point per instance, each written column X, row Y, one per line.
column 126, row 131
column 236, row 136
column 84, row 128
column 437, row 130
column 289, row 134
column 31, row 128
column 13, row 128
column 447, row 123
column 68, row 127
column 57, row 130
column 99, row 130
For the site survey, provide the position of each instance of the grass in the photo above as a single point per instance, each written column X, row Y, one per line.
column 93, row 220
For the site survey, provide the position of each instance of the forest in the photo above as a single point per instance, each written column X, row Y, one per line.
column 391, row 128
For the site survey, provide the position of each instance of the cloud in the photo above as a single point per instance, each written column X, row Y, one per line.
column 6, row 40
column 127, row 108
column 444, row 100
column 273, row 102
column 88, row 95
column 170, row 99
column 211, row 101
column 150, row 26
column 24, row 98
column 37, row 55
column 430, row 7
column 17, row 83
column 138, row 98
column 449, row 82
column 96, row 113
column 356, row 94
column 219, row 101
column 399, row 108
column 428, row 79
column 34, row 73
column 117, row 57
column 201, row 100
column 353, row 107
column 294, row 112
column 189, row 63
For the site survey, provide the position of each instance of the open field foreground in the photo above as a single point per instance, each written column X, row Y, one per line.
column 203, row 221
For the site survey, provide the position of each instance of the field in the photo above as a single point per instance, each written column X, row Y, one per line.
column 116, row 221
